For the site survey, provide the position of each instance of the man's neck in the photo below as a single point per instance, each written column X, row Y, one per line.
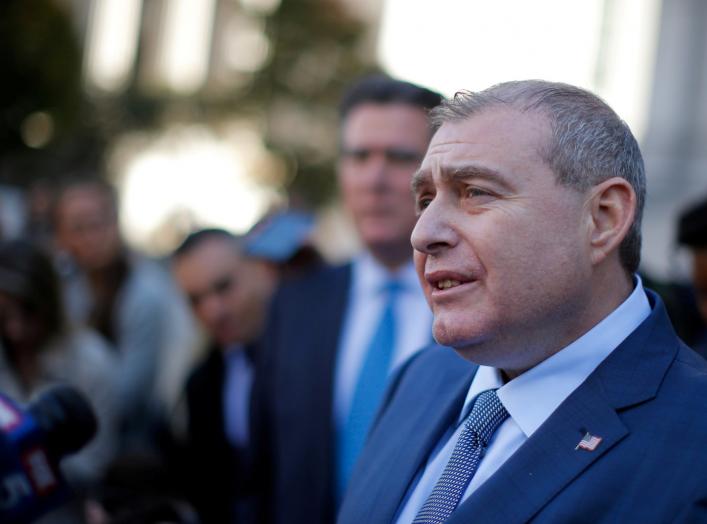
column 615, row 286
column 392, row 260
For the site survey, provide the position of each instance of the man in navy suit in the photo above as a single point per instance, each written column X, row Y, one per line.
column 573, row 399
column 334, row 337
column 229, row 292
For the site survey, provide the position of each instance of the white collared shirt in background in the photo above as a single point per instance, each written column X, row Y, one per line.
column 365, row 305
column 530, row 398
column 237, row 385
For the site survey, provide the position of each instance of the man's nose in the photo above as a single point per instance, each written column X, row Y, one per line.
column 377, row 170
column 433, row 231
column 210, row 307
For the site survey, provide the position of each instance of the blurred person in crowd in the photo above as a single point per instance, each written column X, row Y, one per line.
column 229, row 294
column 692, row 233
column 229, row 282
column 334, row 337
column 12, row 212
column 131, row 300
column 39, row 198
column 39, row 348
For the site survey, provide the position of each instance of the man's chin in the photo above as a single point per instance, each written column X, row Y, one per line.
column 388, row 244
column 380, row 237
column 226, row 341
column 461, row 341
column 448, row 340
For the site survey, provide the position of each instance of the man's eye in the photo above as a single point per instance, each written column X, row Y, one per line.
column 423, row 202
column 223, row 285
column 402, row 156
column 472, row 192
column 359, row 155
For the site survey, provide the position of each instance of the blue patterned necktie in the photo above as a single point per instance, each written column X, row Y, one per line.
column 370, row 387
column 487, row 414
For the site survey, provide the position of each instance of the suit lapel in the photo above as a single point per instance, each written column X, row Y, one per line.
column 546, row 462
column 326, row 328
column 216, row 364
column 337, row 290
column 309, row 315
column 319, row 323
column 401, row 444
column 549, row 460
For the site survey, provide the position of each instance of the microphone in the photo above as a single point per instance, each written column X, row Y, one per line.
column 58, row 422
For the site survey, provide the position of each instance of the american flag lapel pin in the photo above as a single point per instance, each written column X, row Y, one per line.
column 589, row 442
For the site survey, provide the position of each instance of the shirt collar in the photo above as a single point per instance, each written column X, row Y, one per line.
column 233, row 352
column 370, row 276
column 532, row 397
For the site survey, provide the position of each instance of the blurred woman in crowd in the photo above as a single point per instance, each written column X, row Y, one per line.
column 38, row 349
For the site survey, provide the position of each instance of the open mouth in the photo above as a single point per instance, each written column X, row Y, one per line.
column 443, row 281
column 448, row 283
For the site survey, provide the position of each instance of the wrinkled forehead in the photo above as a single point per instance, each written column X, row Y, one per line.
column 486, row 143
column 503, row 124
column 389, row 121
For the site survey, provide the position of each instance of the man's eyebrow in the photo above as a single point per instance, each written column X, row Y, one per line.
column 472, row 171
column 419, row 179
column 422, row 176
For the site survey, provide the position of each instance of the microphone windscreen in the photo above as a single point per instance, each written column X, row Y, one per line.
column 66, row 417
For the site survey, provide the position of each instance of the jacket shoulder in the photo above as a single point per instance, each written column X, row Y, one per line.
column 686, row 380
column 315, row 281
column 426, row 366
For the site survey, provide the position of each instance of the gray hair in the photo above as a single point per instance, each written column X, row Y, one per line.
column 589, row 143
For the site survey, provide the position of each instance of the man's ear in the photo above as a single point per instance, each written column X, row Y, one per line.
column 612, row 207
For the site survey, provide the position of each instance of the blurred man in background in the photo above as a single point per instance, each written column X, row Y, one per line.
column 131, row 300
column 229, row 294
column 692, row 233
column 333, row 337
column 229, row 282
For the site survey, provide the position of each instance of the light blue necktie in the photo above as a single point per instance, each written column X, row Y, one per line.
column 487, row 414
column 370, row 387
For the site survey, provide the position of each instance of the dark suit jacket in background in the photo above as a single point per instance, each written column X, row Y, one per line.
column 294, row 396
column 647, row 401
column 218, row 477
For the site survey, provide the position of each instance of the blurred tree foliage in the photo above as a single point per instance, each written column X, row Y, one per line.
column 314, row 52
column 40, row 59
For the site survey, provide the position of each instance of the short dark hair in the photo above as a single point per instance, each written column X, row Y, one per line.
column 382, row 89
column 28, row 274
column 196, row 238
column 589, row 142
column 692, row 225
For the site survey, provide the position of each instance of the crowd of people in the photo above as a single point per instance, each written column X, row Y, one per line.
column 244, row 380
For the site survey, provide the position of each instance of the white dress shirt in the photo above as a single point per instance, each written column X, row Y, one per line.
column 237, row 385
column 530, row 398
column 413, row 320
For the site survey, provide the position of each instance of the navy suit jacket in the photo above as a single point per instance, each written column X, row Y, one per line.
column 229, row 492
column 647, row 401
column 294, row 394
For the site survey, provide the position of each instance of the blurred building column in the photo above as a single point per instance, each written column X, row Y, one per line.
column 112, row 44
column 674, row 146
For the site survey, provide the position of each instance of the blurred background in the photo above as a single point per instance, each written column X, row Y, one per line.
column 213, row 112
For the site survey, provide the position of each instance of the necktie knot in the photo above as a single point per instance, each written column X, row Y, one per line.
column 486, row 415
